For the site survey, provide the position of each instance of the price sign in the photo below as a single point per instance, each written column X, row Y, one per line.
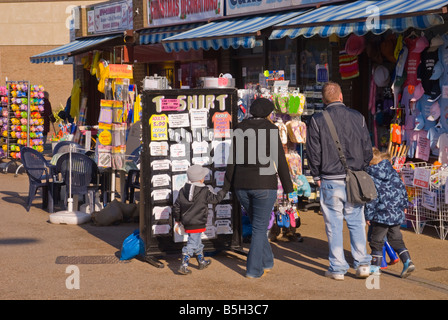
column 159, row 127
column 422, row 177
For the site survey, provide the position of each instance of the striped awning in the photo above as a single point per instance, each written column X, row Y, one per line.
column 157, row 34
column 360, row 17
column 235, row 32
column 72, row 48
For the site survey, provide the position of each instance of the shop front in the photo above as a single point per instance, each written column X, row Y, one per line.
column 394, row 51
column 101, row 40
column 383, row 54
column 372, row 48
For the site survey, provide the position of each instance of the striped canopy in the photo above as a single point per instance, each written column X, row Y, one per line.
column 157, row 34
column 362, row 16
column 234, row 32
column 72, row 48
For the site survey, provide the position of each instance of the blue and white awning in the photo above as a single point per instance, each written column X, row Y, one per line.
column 235, row 32
column 360, row 17
column 70, row 49
column 157, row 34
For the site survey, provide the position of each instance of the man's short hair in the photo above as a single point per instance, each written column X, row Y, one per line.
column 331, row 92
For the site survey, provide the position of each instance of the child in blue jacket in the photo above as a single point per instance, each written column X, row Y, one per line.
column 385, row 214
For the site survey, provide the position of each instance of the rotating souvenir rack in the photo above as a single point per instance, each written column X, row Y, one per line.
column 3, row 120
column 22, row 122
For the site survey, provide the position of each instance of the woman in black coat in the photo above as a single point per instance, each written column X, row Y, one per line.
column 257, row 158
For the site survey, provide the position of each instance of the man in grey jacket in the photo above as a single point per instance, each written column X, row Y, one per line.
column 329, row 174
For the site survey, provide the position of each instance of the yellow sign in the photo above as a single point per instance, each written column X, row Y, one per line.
column 159, row 127
column 121, row 71
column 105, row 135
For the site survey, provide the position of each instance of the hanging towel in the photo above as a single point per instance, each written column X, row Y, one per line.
column 75, row 99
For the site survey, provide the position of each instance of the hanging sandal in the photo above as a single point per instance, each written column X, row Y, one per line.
column 286, row 221
column 292, row 218
column 280, row 220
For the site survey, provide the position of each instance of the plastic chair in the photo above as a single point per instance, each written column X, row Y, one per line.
column 133, row 177
column 64, row 146
column 84, row 173
column 40, row 174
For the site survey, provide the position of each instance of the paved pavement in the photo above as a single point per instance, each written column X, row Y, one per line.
column 40, row 260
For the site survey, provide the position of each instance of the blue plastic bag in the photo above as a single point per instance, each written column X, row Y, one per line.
column 132, row 246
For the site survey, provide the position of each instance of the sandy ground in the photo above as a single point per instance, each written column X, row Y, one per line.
column 32, row 265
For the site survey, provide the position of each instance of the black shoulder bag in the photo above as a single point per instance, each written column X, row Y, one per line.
column 359, row 185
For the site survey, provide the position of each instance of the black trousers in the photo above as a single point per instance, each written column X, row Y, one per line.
column 378, row 234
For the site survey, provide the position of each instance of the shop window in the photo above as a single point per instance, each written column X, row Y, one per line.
column 165, row 69
column 312, row 52
column 248, row 65
column 283, row 56
column 190, row 73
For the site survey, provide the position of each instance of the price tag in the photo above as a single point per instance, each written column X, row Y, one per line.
column 159, row 127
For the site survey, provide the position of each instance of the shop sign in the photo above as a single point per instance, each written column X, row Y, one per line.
column 115, row 16
column 164, row 12
column 123, row 71
column 429, row 200
column 249, row 6
column 422, row 177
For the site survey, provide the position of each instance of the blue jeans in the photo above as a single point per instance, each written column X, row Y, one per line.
column 258, row 205
column 194, row 244
column 335, row 208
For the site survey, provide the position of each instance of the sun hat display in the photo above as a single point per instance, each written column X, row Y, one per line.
column 381, row 76
column 418, row 91
column 374, row 52
column 434, row 112
column 419, row 122
column 436, row 42
column 261, row 107
column 421, row 44
column 388, row 48
column 355, row 45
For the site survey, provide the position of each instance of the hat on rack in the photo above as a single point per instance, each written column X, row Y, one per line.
column 355, row 45
column 419, row 122
column 418, row 91
column 437, row 71
column 434, row 112
column 388, row 48
column 436, row 42
column 374, row 52
column 381, row 76
column 261, row 108
column 421, row 44
column 196, row 173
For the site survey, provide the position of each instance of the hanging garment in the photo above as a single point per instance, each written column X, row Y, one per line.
column 75, row 99
column 348, row 66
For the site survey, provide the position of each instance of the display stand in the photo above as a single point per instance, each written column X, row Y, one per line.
column 181, row 128
column 24, row 120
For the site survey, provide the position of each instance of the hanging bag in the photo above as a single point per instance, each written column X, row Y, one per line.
column 359, row 185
